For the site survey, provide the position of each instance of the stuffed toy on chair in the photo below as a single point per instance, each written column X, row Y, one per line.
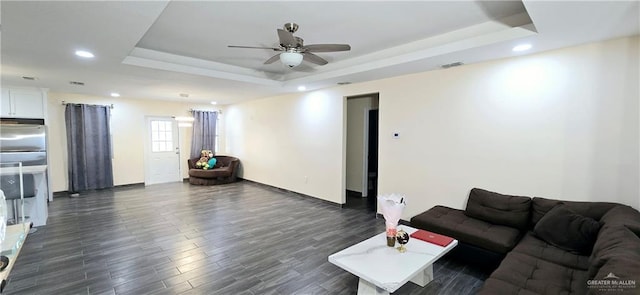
column 203, row 162
column 212, row 162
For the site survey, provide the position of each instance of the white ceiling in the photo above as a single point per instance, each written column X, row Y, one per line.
column 159, row 49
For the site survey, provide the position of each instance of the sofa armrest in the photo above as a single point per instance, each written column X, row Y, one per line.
column 234, row 168
column 234, row 164
column 191, row 163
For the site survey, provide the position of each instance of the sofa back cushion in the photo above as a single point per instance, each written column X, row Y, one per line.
column 498, row 209
column 224, row 161
column 568, row 230
column 595, row 210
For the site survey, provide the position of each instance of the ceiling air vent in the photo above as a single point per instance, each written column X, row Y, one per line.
column 344, row 83
column 29, row 78
column 451, row 65
column 76, row 83
column 184, row 95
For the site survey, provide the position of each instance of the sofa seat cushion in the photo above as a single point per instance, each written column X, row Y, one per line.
column 456, row 224
column 533, row 246
column 499, row 209
column 210, row 173
column 524, row 274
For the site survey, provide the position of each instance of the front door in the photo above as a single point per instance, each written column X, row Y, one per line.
column 162, row 161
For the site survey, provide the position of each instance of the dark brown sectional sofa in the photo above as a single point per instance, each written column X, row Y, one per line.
column 546, row 246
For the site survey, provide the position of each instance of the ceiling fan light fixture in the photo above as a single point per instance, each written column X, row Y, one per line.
column 291, row 59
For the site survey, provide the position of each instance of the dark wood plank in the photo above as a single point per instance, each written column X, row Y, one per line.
column 241, row 238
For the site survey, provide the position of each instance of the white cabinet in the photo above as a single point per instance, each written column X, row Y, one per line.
column 22, row 103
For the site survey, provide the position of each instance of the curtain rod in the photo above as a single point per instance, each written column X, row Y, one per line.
column 110, row 106
column 192, row 110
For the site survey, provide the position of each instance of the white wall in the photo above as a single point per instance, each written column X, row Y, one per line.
column 292, row 142
column 560, row 124
column 356, row 108
column 128, row 130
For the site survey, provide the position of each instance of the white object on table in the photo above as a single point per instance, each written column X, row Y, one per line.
column 383, row 269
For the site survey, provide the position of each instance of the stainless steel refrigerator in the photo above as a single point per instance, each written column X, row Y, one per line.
column 21, row 143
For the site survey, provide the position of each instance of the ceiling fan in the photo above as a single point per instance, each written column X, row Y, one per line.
column 293, row 50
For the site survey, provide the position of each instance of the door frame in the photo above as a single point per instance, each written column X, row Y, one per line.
column 147, row 147
column 365, row 154
column 344, row 143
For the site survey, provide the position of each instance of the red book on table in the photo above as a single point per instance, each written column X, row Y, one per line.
column 433, row 238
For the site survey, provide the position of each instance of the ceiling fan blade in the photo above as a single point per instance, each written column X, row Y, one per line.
column 326, row 47
column 286, row 38
column 272, row 59
column 254, row 47
column 310, row 57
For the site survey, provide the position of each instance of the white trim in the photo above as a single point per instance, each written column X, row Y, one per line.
column 147, row 149
column 365, row 153
column 343, row 185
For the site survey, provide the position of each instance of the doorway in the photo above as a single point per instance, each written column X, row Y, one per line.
column 362, row 151
column 162, row 151
column 372, row 159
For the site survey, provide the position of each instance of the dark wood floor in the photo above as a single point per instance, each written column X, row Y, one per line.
column 241, row 238
column 356, row 201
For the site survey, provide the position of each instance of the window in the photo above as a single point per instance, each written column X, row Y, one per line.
column 161, row 136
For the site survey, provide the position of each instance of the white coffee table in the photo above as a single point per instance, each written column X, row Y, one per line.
column 383, row 270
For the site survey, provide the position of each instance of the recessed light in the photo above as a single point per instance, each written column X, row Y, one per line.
column 522, row 47
column 302, row 88
column 213, row 102
column 115, row 94
column 84, row 53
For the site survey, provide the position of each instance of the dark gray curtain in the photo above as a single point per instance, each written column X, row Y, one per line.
column 89, row 147
column 204, row 132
